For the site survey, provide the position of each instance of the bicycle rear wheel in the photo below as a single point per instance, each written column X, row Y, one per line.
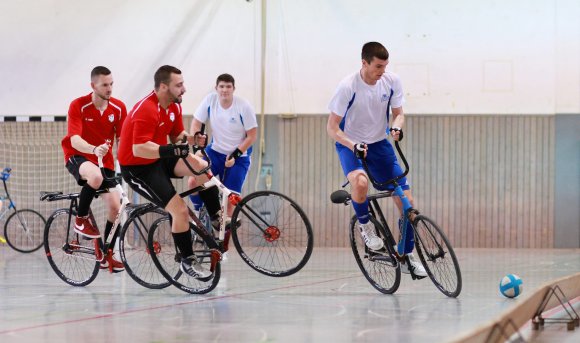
column 134, row 252
column 72, row 259
column 381, row 270
column 167, row 258
column 437, row 256
column 274, row 236
column 24, row 230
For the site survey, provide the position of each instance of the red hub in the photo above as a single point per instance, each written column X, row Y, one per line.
column 156, row 248
column 272, row 233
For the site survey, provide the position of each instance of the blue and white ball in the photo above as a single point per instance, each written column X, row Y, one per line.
column 511, row 286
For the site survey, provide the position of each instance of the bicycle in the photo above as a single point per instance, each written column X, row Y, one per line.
column 382, row 268
column 23, row 228
column 74, row 259
column 272, row 235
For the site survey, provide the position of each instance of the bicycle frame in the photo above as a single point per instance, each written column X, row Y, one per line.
column 408, row 209
column 227, row 195
column 5, row 176
column 124, row 202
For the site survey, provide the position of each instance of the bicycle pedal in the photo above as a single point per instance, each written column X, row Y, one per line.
column 382, row 258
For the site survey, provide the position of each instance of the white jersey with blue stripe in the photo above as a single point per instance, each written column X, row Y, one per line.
column 364, row 108
column 229, row 125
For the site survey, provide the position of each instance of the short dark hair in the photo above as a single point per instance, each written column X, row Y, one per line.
column 374, row 49
column 99, row 70
column 225, row 78
column 163, row 75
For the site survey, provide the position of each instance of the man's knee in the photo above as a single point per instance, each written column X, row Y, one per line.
column 95, row 180
column 359, row 182
column 177, row 209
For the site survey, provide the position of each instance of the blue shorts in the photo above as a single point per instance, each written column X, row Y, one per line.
column 233, row 177
column 381, row 160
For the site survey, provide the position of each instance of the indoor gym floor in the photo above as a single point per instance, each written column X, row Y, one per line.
column 328, row 301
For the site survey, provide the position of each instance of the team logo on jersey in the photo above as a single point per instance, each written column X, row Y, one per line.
column 172, row 116
column 232, row 120
column 384, row 98
column 111, row 117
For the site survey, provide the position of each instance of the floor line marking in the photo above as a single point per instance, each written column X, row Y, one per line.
column 153, row 308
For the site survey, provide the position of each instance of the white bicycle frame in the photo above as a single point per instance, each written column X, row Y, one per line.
column 124, row 202
column 226, row 192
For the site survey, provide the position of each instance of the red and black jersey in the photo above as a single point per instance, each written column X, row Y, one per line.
column 94, row 126
column 148, row 121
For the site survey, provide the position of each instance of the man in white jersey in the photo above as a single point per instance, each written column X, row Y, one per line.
column 359, row 123
column 234, row 130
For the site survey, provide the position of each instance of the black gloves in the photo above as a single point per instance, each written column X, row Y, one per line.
column 173, row 150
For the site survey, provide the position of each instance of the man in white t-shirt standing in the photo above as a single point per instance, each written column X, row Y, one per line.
column 359, row 123
column 234, row 130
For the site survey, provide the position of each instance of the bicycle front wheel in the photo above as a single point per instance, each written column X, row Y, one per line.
column 437, row 256
column 167, row 258
column 24, row 230
column 71, row 257
column 274, row 235
column 381, row 270
column 134, row 251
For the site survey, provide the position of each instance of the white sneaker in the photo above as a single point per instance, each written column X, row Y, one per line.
column 193, row 268
column 371, row 239
column 418, row 268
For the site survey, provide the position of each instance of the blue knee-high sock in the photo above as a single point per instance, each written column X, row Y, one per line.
column 410, row 239
column 362, row 211
column 196, row 201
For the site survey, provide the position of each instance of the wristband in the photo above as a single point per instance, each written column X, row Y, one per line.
column 236, row 154
column 94, row 148
column 171, row 150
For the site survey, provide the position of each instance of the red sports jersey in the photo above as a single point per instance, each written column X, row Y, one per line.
column 85, row 120
column 148, row 121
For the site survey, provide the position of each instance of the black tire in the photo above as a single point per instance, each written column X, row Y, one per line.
column 437, row 256
column 134, row 251
column 24, row 230
column 383, row 272
column 73, row 260
column 167, row 259
column 263, row 214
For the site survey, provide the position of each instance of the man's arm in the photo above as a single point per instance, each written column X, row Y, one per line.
column 146, row 150
column 195, row 126
column 398, row 121
column 251, row 136
column 334, row 131
column 81, row 145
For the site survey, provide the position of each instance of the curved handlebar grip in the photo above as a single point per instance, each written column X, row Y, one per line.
column 105, row 177
column 202, row 171
column 204, row 154
column 392, row 181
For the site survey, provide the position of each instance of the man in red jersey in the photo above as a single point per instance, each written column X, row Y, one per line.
column 148, row 163
column 94, row 120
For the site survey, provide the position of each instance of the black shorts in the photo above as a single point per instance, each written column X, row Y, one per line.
column 153, row 181
column 74, row 163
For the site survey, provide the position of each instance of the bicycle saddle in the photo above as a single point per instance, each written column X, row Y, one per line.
column 340, row 197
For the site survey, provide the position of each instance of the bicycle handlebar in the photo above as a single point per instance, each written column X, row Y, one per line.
column 196, row 148
column 392, row 181
column 105, row 177
column 6, row 173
